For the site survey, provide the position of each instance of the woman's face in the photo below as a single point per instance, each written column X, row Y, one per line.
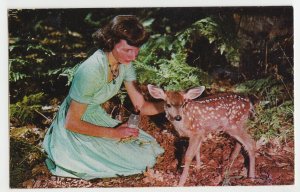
column 125, row 53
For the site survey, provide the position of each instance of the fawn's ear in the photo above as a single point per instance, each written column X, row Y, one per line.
column 156, row 92
column 194, row 93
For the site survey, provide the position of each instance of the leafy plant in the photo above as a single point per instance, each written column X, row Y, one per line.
column 162, row 60
column 273, row 122
column 26, row 110
column 274, row 110
column 66, row 72
column 24, row 154
column 270, row 90
column 39, row 51
column 221, row 37
column 16, row 74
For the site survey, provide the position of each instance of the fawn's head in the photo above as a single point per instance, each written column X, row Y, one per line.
column 174, row 100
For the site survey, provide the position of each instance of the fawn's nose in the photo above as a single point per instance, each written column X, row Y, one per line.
column 178, row 118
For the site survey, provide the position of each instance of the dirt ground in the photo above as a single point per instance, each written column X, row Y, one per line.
column 274, row 164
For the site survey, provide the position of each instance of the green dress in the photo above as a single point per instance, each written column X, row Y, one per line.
column 80, row 156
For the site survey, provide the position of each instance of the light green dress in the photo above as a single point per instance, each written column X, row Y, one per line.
column 80, row 156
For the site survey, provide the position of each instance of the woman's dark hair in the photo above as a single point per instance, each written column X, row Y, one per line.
column 125, row 27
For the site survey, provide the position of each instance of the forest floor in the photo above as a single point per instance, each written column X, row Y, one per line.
column 274, row 164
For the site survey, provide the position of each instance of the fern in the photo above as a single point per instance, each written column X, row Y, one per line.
column 24, row 156
column 274, row 111
column 16, row 75
column 273, row 122
column 88, row 19
column 211, row 29
column 47, row 51
column 20, row 67
column 25, row 111
column 270, row 90
column 176, row 74
column 162, row 61
column 69, row 72
column 256, row 86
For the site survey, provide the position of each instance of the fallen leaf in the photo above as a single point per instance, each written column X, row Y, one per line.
column 28, row 184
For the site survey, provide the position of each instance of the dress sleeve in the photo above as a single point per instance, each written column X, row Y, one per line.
column 130, row 74
column 85, row 83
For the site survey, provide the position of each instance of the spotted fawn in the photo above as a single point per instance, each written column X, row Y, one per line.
column 196, row 119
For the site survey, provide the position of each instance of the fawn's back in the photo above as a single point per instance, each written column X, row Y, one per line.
column 214, row 113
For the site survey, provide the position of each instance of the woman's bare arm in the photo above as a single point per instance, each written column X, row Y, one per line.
column 75, row 124
column 146, row 108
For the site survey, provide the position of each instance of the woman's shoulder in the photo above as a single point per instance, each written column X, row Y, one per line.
column 98, row 58
column 93, row 67
column 99, row 54
column 94, row 63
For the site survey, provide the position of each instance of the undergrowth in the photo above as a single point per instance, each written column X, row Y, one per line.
column 163, row 59
column 273, row 110
column 25, row 153
column 26, row 110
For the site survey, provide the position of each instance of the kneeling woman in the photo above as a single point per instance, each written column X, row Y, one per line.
column 83, row 140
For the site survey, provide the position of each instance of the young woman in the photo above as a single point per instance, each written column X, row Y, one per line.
column 83, row 140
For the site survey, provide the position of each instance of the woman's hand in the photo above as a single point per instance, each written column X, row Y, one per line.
column 124, row 131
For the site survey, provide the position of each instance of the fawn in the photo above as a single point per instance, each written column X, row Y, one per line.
column 196, row 119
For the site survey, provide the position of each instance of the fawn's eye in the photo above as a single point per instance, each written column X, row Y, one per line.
column 168, row 105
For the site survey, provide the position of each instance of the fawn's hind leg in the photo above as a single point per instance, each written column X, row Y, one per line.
column 235, row 151
column 248, row 143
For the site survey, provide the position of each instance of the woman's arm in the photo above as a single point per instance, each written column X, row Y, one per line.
column 75, row 124
column 146, row 108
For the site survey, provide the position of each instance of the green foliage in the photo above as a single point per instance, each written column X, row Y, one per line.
column 273, row 122
column 24, row 154
column 274, row 111
column 25, row 111
column 68, row 72
column 222, row 38
column 15, row 73
column 39, row 50
column 162, row 61
column 36, row 55
column 88, row 19
column 122, row 94
column 256, row 86
column 270, row 90
column 27, row 62
column 173, row 74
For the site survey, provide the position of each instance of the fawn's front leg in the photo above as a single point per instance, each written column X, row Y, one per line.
column 198, row 160
column 194, row 144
